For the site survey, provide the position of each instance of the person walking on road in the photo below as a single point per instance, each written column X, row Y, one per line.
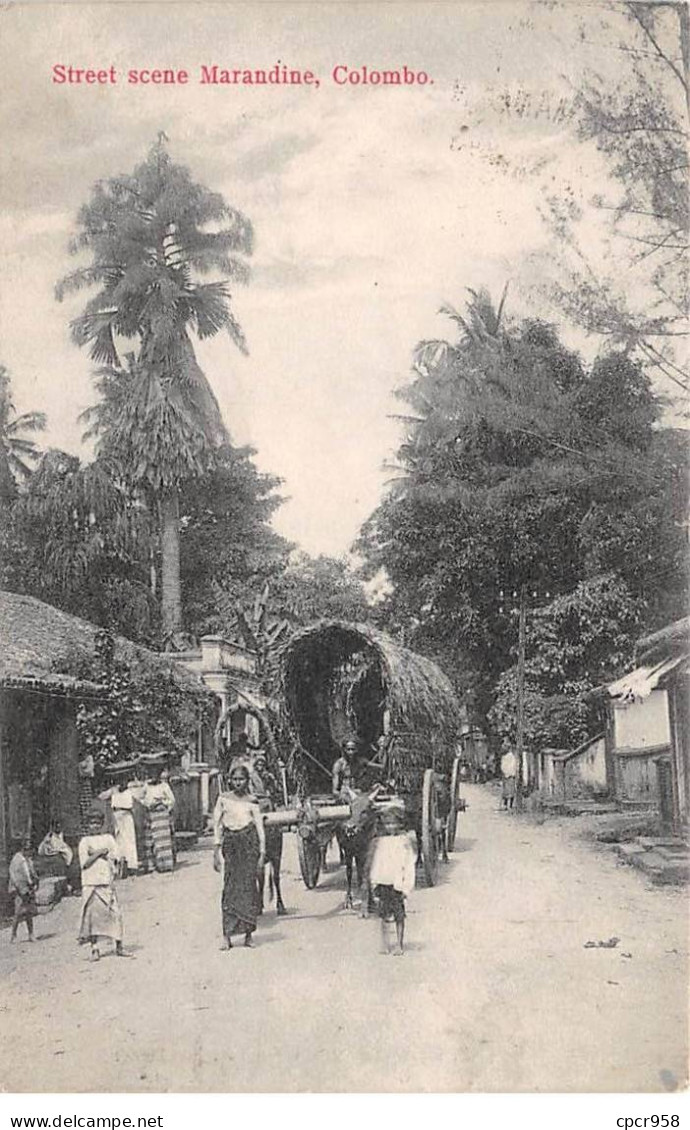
column 392, row 871
column 239, row 846
column 101, row 916
column 509, row 778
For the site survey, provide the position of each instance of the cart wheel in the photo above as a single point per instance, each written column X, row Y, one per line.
column 309, row 854
column 430, row 834
column 453, row 814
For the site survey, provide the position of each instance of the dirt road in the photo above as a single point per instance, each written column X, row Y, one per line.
column 497, row 991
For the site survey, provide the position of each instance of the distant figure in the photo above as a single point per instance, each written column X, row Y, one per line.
column 266, row 791
column 101, row 916
column 239, row 842
column 122, row 805
column 509, row 775
column 392, row 871
column 159, row 800
column 23, row 885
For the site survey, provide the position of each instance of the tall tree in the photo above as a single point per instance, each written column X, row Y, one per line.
column 520, row 466
column 17, row 450
column 151, row 237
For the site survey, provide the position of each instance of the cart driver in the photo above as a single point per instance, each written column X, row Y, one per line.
column 352, row 772
column 346, row 769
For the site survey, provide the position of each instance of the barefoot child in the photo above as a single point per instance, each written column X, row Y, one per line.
column 392, row 871
column 101, row 916
column 23, row 885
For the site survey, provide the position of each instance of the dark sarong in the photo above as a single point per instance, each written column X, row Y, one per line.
column 391, row 903
column 25, row 905
column 240, row 900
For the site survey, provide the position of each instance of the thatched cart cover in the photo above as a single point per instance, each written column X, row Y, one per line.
column 345, row 680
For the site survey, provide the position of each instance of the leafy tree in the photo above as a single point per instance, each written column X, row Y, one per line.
column 316, row 588
column 17, row 450
column 641, row 124
column 618, row 260
column 80, row 542
column 575, row 643
column 150, row 244
column 519, row 466
column 228, row 548
column 143, row 708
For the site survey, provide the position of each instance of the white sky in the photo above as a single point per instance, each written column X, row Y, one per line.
column 371, row 206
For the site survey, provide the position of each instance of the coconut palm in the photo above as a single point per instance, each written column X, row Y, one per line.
column 17, row 450
column 148, row 238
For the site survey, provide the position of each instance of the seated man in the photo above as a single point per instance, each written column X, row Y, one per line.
column 344, row 769
column 352, row 773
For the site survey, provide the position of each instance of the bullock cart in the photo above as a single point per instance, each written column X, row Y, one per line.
column 340, row 681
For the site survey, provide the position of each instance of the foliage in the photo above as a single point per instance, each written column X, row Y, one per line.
column 228, row 548
column 17, row 451
column 520, row 466
column 143, row 709
column 76, row 539
column 641, row 125
column 317, row 588
column 618, row 258
column 157, row 422
column 575, row 643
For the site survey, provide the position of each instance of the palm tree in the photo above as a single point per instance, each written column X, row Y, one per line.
column 149, row 243
column 17, row 451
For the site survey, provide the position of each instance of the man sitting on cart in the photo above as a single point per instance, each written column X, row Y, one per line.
column 352, row 772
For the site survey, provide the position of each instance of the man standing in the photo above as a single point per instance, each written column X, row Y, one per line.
column 509, row 775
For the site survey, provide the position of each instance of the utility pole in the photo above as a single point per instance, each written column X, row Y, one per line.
column 521, row 698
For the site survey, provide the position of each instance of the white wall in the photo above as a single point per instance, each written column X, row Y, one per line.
column 643, row 723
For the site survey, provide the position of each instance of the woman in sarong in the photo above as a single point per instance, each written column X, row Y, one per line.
column 239, row 841
column 159, row 800
column 101, row 916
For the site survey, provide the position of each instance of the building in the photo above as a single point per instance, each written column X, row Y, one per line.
column 230, row 670
column 39, row 741
column 648, row 719
column 573, row 774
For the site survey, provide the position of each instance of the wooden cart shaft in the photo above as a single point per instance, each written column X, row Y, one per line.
column 327, row 814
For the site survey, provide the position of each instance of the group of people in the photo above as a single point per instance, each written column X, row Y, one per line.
column 240, row 839
column 239, row 842
column 142, row 823
column 141, row 838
